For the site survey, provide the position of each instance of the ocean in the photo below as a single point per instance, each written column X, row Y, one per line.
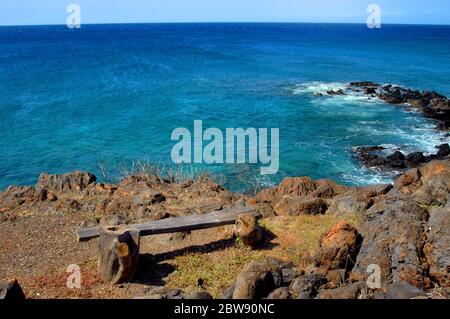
column 107, row 95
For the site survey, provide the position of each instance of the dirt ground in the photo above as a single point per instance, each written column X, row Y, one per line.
column 37, row 246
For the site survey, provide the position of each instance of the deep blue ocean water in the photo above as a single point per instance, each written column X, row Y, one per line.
column 74, row 98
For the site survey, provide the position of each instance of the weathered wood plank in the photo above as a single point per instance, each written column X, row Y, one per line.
column 178, row 224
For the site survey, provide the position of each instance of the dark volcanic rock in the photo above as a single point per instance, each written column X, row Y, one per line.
column 396, row 160
column 431, row 104
column 258, row 279
column 403, row 290
column 370, row 157
column 307, row 286
column 280, row 293
column 156, row 292
column 415, row 158
column 356, row 200
column 394, row 235
column 443, row 150
column 351, row 291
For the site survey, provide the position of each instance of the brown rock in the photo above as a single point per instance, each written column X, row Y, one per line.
column 339, row 247
column 258, row 279
column 300, row 205
column 295, row 186
column 437, row 247
column 15, row 196
column 346, row 292
column 280, row 293
column 428, row 185
column 356, row 200
column 266, row 196
column 74, row 181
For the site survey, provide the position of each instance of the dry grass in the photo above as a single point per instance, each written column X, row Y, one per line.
column 295, row 239
column 115, row 173
column 217, row 269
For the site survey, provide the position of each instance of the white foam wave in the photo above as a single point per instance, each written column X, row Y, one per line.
column 324, row 88
column 318, row 88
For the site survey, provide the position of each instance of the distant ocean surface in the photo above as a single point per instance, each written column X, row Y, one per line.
column 75, row 98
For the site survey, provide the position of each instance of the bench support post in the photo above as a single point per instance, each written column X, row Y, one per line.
column 118, row 253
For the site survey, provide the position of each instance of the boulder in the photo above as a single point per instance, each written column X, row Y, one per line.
column 396, row 160
column 198, row 295
column 394, row 234
column 300, row 205
column 352, row 291
column 280, row 293
column 74, row 181
column 266, row 195
column 428, row 185
column 403, row 290
column 437, row 247
column 133, row 196
column 443, row 150
column 307, row 286
column 415, row 158
column 258, row 279
column 356, row 200
column 295, row 186
column 338, row 248
column 15, row 196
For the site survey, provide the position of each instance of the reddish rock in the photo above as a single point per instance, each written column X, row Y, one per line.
column 338, row 248
column 428, row 185
column 74, row 181
column 295, row 186
column 437, row 247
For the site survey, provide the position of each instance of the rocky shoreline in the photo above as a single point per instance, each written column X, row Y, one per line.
column 430, row 104
column 404, row 229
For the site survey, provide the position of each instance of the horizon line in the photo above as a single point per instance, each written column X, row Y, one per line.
column 221, row 22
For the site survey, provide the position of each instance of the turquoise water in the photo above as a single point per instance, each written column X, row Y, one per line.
column 74, row 98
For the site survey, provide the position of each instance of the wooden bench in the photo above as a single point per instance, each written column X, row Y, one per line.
column 119, row 245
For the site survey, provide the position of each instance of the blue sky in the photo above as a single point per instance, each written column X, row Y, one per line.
column 19, row 12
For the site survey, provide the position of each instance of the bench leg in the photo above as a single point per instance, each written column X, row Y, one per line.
column 118, row 253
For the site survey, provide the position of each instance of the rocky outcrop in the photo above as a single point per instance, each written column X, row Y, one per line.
column 394, row 235
column 437, row 246
column 298, row 196
column 430, row 104
column 427, row 185
column 370, row 156
column 74, row 181
column 356, row 200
